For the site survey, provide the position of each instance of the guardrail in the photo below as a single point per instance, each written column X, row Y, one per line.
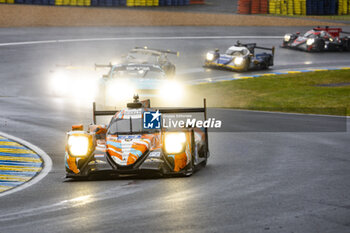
column 106, row 3
column 294, row 7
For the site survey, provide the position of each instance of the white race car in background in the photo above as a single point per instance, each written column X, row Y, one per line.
column 146, row 80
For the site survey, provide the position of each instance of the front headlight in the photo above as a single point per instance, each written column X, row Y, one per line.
column 310, row 41
column 60, row 81
column 171, row 91
column 286, row 38
column 238, row 61
column 210, row 56
column 174, row 142
column 120, row 90
column 78, row 145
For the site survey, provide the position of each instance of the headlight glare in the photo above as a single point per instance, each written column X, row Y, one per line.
column 174, row 142
column 120, row 90
column 238, row 61
column 171, row 91
column 210, row 56
column 78, row 145
column 310, row 41
column 287, row 38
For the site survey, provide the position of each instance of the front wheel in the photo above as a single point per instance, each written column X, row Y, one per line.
column 320, row 45
column 246, row 65
column 172, row 71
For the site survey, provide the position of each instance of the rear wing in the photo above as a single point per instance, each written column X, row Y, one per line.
column 333, row 31
column 252, row 46
column 96, row 113
column 146, row 49
column 265, row 48
column 103, row 65
column 203, row 110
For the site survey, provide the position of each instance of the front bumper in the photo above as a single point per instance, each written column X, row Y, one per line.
column 215, row 65
column 101, row 164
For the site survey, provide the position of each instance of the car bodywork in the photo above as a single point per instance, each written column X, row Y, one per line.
column 144, row 71
column 157, row 57
column 116, row 149
column 240, row 57
column 146, row 80
column 317, row 40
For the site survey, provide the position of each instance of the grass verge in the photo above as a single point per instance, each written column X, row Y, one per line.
column 319, row 92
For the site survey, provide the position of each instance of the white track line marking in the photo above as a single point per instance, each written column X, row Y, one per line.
column 46, row 161
column 138, row 38
column 285, row 113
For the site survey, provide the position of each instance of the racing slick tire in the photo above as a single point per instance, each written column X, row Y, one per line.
column 264, row 66
column 191, row 166
column 171, row 72
column 246, row 65
column 346, row 46
column 320, row 45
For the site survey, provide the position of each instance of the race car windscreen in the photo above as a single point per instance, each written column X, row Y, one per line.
column 127, row 126
column 138, row 72
column 310, row 34
column 237, row 51
column 138, row 57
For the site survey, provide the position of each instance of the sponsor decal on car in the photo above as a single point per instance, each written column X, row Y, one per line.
column 152, row 120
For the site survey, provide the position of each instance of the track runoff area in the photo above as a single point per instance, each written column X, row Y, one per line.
column 21, row 164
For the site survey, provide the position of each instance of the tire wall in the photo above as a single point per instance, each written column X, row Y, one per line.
column 294, row 7
column 106, row 3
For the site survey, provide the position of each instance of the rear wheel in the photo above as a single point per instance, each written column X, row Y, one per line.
column 191, row 166
column 264, row 66
column 246, row 65
column 171, row 72
column 346, row 46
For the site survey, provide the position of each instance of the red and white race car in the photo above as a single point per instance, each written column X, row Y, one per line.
column 318, row 39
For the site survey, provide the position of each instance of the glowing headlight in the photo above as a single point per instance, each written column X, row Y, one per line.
column 78, row 145
column 83, row 88
column 174, row 142
column 119, row 91
column 60, row 83
column 310, row 41
column 210, row 56
column 171, row 91
column 115, row 62
column 286, row 38
column 77, row 85
column 238, row 61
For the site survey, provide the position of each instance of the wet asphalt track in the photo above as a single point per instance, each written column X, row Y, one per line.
column 265, row 176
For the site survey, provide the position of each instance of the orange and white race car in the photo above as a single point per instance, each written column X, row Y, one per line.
column 135, row 142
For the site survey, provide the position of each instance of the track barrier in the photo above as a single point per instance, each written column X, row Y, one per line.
column 106, row 3
column 294, row 7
